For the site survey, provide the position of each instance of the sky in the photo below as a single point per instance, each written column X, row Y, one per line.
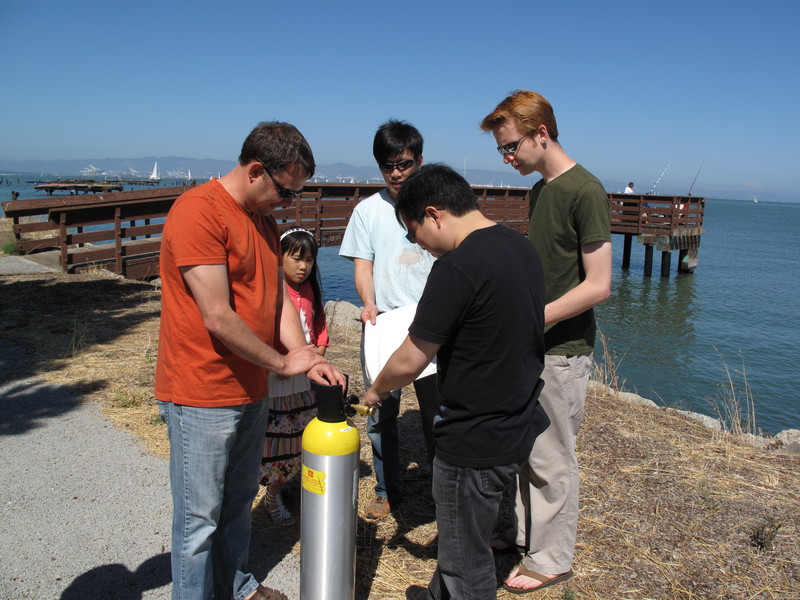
column 710, row 88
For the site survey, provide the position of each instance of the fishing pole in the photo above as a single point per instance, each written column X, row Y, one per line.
column 652, row 189
column 695, row 178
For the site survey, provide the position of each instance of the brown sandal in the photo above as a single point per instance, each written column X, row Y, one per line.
column 546, row 581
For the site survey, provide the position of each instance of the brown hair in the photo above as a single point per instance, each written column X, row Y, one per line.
column 528, row 109
column 277, row 145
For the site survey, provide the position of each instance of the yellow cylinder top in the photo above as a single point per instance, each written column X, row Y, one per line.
column 331, row 439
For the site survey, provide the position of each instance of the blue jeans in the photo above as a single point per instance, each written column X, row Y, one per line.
column 467, row 503
column 215, row 455
column 382, row 432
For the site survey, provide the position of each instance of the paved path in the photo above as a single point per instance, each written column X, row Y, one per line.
column 17, row 265
column 84, row 510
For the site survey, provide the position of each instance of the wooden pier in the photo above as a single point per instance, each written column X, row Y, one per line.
column 122, row 230
column 74, row 187
column 663, row 223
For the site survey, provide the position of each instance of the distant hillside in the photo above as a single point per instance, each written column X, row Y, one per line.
column 178, row 167
column 168, row 166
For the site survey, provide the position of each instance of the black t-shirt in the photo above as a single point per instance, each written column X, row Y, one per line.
column 484, row 304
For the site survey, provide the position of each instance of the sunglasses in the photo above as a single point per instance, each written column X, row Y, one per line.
column 403, row 165
column 283, row 192
column 512, row 147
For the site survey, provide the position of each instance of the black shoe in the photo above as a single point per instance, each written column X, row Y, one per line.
column 417, row 592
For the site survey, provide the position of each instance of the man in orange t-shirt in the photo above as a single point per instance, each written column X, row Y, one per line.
column 224, row 310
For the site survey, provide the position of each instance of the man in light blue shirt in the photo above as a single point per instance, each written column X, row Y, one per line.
column 390, row 272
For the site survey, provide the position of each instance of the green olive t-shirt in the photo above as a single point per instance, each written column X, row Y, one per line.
column 565, row 214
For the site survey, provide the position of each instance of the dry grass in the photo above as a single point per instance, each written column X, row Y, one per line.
column 668, row 508
column 7, row 245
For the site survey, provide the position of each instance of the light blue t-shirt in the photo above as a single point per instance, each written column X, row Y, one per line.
column 400, row 268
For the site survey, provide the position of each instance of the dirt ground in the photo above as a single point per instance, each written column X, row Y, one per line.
column 669, row 509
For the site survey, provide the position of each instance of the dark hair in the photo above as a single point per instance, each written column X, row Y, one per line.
column 303, row 242
column 436, row 185
column 277, row 145
column 395, row 137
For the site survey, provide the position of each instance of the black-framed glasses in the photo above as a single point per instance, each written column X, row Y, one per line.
column 512, row 147
column 283, row 192
column 401, row 165
column 412, row 236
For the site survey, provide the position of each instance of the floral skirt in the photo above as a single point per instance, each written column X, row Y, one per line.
column 288, row 417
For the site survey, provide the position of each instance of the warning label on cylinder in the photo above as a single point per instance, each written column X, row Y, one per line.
column 313, row 481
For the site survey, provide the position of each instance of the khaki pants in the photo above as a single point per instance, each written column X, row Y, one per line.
column 546, row 504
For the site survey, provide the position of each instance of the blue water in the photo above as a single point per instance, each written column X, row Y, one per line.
column 672, row 338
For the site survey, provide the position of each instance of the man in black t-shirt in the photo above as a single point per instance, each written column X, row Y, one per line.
column 482, row 315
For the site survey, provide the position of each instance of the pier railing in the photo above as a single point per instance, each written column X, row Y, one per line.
column 663, row 223
column 122, row 230
column 655, row 215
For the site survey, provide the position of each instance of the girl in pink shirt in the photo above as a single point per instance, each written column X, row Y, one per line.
column 291, row 401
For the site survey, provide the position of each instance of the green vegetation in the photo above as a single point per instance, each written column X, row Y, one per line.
column 79, row 340
column 763, row 536
column 129, row 398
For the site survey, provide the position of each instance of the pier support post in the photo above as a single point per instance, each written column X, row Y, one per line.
column 626, row 251
column 688, row 260
column 648, row 260
column 666, row 257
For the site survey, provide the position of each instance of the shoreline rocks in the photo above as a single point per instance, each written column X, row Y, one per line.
column 787, row 440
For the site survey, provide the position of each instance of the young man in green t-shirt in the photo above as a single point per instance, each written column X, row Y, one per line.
column 569, row 225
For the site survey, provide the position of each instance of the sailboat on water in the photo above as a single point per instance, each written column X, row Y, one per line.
column 154, row 176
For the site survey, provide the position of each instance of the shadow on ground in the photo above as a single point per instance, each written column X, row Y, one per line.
column 26, row 403
column 118, row 582
column 51, row 319
column 54, row 315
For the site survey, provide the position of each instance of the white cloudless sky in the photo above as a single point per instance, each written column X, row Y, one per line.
column 635, row 85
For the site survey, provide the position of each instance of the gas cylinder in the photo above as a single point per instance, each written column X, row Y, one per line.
column 329, row 497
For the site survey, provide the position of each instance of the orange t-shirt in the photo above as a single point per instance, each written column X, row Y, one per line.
column 206, row 226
